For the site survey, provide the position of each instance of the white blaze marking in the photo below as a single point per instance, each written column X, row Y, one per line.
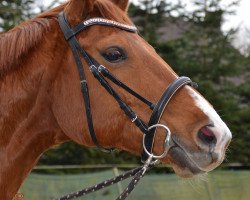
column 220, row 129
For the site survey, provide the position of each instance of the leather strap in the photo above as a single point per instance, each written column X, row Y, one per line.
column 69, row 35
column 159, row 109
column 75, row 47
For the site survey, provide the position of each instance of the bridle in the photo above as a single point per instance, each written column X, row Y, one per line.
column 101, row 73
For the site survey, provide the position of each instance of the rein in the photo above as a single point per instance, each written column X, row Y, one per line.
column 100, row 73
column 136, row 173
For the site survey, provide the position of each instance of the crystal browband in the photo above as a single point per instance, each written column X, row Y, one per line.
column 107, row 22
column 96, row 21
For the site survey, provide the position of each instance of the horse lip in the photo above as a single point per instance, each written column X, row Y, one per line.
column 182, row 159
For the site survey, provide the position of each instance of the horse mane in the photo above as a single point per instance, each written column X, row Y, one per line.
column 18, row 41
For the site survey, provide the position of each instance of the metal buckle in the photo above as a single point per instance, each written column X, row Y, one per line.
column 83, row 81
column 134, row 119
column 92, row 67
column 167, row 142
column 101, row 68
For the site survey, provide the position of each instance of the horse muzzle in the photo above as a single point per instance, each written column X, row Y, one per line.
column 153, row 124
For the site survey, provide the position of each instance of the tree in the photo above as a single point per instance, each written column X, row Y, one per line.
column 149, row 16
column 206, row 54
column 71, row 153
column 205, row 48
column 13, row 12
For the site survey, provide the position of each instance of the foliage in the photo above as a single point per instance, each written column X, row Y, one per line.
column 151, row 17
column 71, row 153
column 13, row 12
column 206, row 54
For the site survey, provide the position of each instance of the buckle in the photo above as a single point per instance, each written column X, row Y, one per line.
column 134, row 119
column 101, row 68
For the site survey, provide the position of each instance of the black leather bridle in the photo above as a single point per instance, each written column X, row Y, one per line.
column 101, row 73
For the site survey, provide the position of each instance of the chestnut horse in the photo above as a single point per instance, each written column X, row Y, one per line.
column 41, row 104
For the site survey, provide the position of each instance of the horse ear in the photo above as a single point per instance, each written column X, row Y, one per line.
column 77, row 10
column 123, row 4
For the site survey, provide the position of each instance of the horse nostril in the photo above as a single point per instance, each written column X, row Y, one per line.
column 207, row 136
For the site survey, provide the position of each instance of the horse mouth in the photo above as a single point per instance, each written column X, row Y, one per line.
column 182, row 164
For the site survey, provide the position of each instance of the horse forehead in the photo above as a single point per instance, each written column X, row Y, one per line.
column 101, row 36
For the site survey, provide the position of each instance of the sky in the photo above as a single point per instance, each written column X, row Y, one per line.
column 242, row 17
column 240, row 20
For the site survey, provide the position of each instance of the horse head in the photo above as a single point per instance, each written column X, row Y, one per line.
column 199, row 136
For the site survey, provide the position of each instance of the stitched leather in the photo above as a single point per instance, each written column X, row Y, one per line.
column 159, row 109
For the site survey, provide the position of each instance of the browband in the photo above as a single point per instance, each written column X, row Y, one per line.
column 102, row 21
column 98, row 21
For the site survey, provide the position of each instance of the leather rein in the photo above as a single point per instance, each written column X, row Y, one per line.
column 101, row 73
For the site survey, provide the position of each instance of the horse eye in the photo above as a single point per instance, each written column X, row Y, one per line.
column 114, row 54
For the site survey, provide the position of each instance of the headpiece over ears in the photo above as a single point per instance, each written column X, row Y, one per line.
column 78, row 10
column 122, row 4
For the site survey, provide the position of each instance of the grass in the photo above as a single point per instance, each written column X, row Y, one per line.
column 218, row 185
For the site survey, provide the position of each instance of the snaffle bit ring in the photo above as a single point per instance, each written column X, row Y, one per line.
column 167, row 141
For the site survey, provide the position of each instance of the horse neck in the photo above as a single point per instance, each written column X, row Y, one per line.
column 27, row 125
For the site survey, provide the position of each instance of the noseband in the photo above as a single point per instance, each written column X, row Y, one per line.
column 100, row 73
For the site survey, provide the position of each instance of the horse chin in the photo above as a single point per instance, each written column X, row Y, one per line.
column 182, row 164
